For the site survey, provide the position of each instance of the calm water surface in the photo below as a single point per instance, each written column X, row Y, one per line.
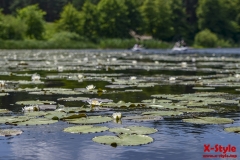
column 174, row 139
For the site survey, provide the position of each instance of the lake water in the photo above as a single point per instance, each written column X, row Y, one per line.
column 175, row 139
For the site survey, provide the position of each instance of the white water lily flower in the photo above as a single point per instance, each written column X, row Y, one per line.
column 184, row 64
column 133, row 78
column 2, row 83
column 80, row 76
column 90, row 87
column 30, row 108
column 36, row 77
column 134, row 62
column 60, row 68
column 172, row 78
column 237, row 75
column 117, row 115
column 94, row 102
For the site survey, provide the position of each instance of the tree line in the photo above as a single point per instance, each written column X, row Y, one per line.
column 203, row 23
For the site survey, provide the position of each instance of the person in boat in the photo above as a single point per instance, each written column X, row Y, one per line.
column 137, row 47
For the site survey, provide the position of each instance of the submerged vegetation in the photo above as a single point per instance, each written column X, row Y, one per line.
column 118, row 93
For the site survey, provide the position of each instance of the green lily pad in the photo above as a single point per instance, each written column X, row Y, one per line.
column 85, row 129
column 74, row 109
column 12, row 119
column 143, row 118
column 89, row 120
column 190, row 110
column 233, row 129
column 10, row 132
column 134, row 130
column 37, row 121
column 209, row 120
column 123, row 140
column 34, row 102
column 35, row 113
column 73, row 99
column 57, row 89
column 163, row 113
column 3, row 94
column 203, row 88
column 55, row 115
column 4, row 111
column 166, row 106
column 133, row 90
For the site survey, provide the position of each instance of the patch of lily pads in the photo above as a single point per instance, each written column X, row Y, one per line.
column 85, row 129
column 89, row 120
column 134, row 130
column 123, row 140
column 233, row 129
column 38, row 102
column 36, row 121
column 208, row 120
column 10, row 132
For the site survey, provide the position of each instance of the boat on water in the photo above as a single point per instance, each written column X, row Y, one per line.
column 180, row 46
column 137, row 48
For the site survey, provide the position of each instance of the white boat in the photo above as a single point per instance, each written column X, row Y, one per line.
column 179, row 46
column 137, row 48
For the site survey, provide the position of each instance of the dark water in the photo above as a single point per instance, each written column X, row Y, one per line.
column 174, row 139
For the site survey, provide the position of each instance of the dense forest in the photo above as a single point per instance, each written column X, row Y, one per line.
column 200, row 23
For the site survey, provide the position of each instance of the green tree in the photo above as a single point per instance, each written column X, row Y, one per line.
column 157, row 18
column 206, row 38
column 70, row 20
column 89, row 20
column 134, row 15
column 33, row 18
column 113, row 19
column 149, row 12
column 163, row 26
column 216, row 16
column 179, row 20
column 11, row 28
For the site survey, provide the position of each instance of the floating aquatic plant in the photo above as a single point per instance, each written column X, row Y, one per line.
column 10, row 132
column 89, row 120
column 85, row 129
column 233, row 129
column 123, row 140
column 134, row 130
column 143, row 118
column 117, row 115
column 90, row 87
column 36, row 121
column 34, row 102
column 209, row 120
column 30, row 108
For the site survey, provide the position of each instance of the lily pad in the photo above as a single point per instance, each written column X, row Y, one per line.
column 12, row 119
column 73, row 99
column 203, row 88
column 10, row 132
column 37, row 121
column 190, row 110
column 134, row 130
column 143, row 118
column 209, row 120
column 4, row 111
column 233, row 129
column 85, row 129
column 3, row 94
column 123, row 140
column 34, row 102
column 163, row 113
column 89, row 120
